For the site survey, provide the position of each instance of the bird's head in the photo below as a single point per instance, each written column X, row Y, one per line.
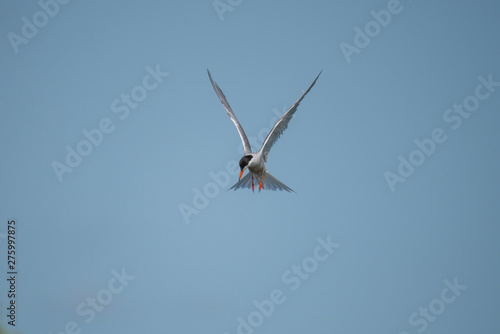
column 244, row 163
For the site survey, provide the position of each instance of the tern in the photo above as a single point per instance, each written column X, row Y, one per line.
column 255, row 161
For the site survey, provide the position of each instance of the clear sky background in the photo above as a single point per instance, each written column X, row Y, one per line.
column 194, row 258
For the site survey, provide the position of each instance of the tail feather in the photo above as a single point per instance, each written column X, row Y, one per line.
column 269, row 182
column 245, row 182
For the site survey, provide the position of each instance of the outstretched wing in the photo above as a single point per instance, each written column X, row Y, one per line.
column 282, row 124
column 220, row 94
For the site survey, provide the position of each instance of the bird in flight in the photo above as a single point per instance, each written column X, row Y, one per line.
column 254, row 161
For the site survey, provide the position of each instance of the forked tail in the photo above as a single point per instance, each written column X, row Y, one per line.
column 269, row 182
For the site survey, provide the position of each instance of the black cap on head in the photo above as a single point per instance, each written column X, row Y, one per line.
column 245, row 160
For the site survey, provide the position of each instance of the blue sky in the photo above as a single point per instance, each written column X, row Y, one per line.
column 117, row 155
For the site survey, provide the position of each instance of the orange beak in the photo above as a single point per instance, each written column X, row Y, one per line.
column 241, row 173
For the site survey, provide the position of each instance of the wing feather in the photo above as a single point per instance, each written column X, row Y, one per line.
column 220, row 94
column 282, row 124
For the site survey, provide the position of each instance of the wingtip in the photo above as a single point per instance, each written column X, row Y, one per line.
column 319, row 74
column 316, row 78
